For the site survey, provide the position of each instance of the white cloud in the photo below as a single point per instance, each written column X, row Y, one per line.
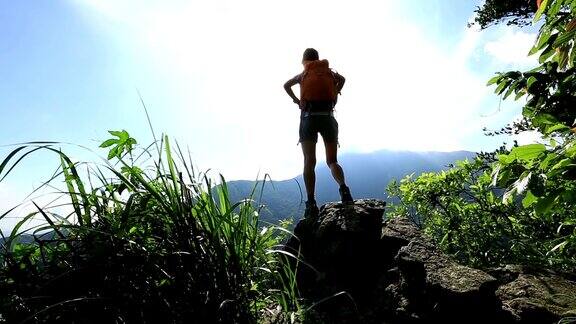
column 227, row 60
column 512, row 48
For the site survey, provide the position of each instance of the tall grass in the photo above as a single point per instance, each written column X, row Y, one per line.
column 154, row 244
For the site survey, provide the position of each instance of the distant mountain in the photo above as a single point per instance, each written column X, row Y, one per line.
column 367, row 176
column 29, row 238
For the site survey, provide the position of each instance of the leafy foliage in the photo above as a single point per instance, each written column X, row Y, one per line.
column 543, row 174
column 475, row 221
column 515, row 205
column 550, row 87
column 123, row 143
column 517, row 12
column 145, row 245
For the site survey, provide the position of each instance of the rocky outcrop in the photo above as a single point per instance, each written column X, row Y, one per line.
column 540, row 297
column 339, row 247
column 360, row 268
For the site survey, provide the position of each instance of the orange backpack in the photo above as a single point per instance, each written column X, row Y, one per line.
column 318, row 82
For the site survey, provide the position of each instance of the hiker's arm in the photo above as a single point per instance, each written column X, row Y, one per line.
column 288, row 87
column 339, row 82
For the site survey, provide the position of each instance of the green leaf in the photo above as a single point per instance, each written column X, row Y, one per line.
column 557, row 5
column 540, row 10
column 564, row 38
column 520, row 94
column 120, row 150
column 494, row 79
column 546, row 54
column 508, row 93
column 109, row 142
column 113, row 152
column 504, row 176
column 529, row 199
column 563, row 163
column 549, row 158
column 527, row 152
column 555, row 128
column 545, row 119
column 553, row 143
column 528, row 111
column 115, row 133
column 124, row 136
column 542, row 39
column 507, row 197
column 571, row 150
column 559, row 246
column 505, row 159
column 562, row 56
column 501, row 87
column 444, row 238
column 530, row 81
column 512, row 74
column 544, row 205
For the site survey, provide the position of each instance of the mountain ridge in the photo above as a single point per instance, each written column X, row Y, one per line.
column 367, row 175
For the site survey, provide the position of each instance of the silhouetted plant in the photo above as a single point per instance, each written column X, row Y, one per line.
column 142, row 245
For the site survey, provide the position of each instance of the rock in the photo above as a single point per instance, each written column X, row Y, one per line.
column 361, row 269
column 539, row 298
column 438, row 288
column 400, row 230
column 363, row 217
column 340, row 245
column 396, row 233
column 442, row 272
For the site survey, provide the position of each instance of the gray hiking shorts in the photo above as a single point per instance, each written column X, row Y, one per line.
column 310, row 126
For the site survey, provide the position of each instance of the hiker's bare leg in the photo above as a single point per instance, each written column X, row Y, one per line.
column 332, row 161
column 309, row 150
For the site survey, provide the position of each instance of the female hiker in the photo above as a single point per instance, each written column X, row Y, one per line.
column 319, row 89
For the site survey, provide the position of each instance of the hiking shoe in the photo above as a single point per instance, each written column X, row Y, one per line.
column 345, row 195
column 311, row 209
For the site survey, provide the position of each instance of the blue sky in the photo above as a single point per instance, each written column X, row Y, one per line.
column 211, row 74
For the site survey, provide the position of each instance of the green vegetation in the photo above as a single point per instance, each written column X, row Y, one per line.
column 479, row 223
column 142, row 245
column 517, row 12
column 518, row 205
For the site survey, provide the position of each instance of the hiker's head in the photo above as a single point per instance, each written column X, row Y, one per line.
column 310, row 54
